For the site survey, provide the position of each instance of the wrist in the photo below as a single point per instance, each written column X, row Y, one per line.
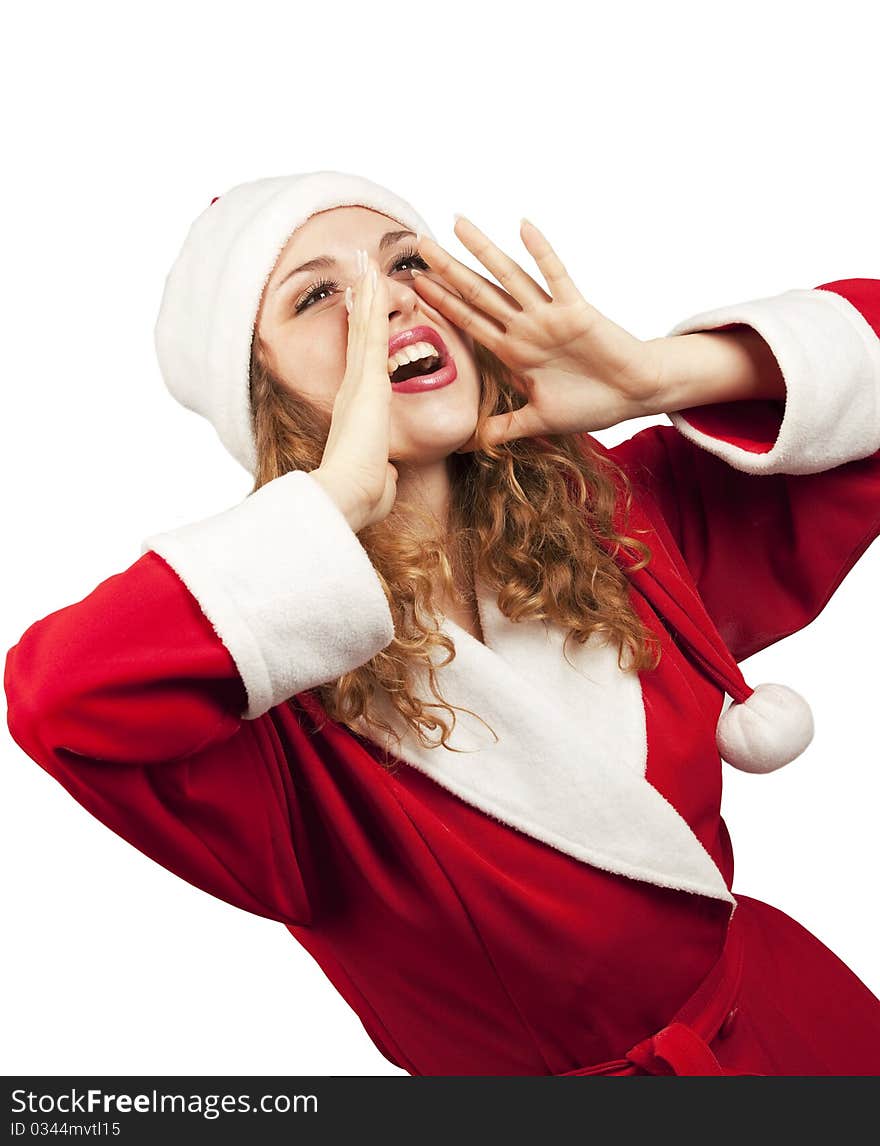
column 715, row 366
column 338, row 493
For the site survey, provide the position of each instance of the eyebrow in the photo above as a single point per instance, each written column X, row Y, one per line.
column 324, row 262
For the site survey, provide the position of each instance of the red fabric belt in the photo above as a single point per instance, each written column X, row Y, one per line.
column 682, row 1046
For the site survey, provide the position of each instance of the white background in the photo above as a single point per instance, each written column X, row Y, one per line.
column 678, row 155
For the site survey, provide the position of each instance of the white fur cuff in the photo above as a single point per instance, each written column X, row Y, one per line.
column 286, row 584
column 830, row 361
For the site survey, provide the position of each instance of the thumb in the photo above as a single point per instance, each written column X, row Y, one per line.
column 500, row 428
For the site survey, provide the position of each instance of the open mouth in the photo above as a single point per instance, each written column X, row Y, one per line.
column 418, row 360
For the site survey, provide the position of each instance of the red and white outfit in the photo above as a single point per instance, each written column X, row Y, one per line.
column 558, row 901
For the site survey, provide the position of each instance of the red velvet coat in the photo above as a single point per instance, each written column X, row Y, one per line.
column 552, row 905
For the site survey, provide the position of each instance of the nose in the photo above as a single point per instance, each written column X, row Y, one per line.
column 403, row 301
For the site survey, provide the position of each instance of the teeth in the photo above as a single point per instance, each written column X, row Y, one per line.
column 412, row 353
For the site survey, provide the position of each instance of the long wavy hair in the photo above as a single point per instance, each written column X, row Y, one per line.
column 524, row 516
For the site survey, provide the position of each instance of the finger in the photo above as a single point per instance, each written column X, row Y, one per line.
column 465, row 317
column 472, row 287
column 357, row 325
column 376, row 336
column 509, row 273
column 549, row 263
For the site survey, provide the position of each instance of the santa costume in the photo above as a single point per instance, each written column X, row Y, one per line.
column 554, row 901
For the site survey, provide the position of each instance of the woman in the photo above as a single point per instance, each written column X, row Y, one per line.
column 508, row 858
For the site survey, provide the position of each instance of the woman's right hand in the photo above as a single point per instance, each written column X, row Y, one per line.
column 355, row 470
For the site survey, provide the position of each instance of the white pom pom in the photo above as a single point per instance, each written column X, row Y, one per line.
column 766, row 731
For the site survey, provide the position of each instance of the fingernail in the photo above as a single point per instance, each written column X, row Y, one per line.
column 416, row 271
column 374, row 276
column 348, row 302
column 362, row 261
column 456, row 216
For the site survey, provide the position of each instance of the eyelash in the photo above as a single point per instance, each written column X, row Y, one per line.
column 328, row 284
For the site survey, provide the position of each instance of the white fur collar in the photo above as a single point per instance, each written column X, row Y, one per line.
column 569, row 765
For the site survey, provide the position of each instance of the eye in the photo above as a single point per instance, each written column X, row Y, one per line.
column 411, row 256
column 312, row 294
column 327, row 285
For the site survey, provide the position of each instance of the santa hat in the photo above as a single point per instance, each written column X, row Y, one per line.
column 212, row 293
column 203, row 341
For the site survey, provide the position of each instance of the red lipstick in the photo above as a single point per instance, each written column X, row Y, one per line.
column 445, row 373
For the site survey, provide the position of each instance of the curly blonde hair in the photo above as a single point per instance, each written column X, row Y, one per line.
column 523, row 515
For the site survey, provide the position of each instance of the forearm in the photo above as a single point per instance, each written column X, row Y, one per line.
column 716, row 366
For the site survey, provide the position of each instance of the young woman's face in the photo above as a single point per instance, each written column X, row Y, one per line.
column 304, row 327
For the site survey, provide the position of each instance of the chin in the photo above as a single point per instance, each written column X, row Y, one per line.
column 423, row 454
column 431, row 439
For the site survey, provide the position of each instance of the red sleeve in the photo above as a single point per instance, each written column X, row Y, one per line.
column 772, row 503
column 132, row 702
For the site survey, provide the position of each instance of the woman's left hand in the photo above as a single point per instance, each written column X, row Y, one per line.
column 576, row 368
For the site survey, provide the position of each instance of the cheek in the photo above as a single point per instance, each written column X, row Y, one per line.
column 312, row 360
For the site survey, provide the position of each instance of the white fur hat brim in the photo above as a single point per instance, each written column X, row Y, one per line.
column 212, row 294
